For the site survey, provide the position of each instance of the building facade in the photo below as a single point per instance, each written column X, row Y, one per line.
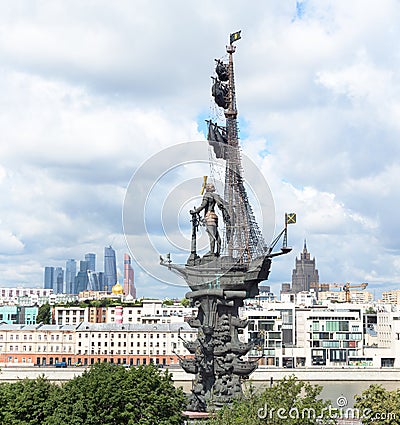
column 110, row 268
column 70, row 273
column 48, row 277
column 305, row 275
column 129, row 283
column 88, row 343
column 91, row 260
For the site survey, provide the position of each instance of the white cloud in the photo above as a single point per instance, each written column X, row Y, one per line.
column 90, row 92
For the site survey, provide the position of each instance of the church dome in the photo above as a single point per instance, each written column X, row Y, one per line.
column 117, row 289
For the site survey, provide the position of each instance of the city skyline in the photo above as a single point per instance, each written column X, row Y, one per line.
column 71, row 281
column 85, row 105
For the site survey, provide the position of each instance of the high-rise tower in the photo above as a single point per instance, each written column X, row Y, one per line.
column 58, row 280
column 305, row 275
column 70, row 273
column 129, row 283
column 48, row 277
column 82, row 278
column 91, row 259
column 110, row 268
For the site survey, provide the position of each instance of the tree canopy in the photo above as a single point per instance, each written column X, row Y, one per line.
column 105, row 394
column 44, row 314
column 288, row 402
column 378, row 406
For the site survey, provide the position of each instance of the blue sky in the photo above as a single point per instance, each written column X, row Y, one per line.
column 92, row 90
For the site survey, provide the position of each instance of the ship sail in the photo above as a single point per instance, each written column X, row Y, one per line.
column 246, row 242
column 217, row 138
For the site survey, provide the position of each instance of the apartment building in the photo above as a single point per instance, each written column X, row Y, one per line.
column 87, row 343
column 149, row 312
column 272, row 329
column 391, row 297
column 329, row 337
column 289, row 335
column 133, row 343
column 40, row 344
column 357, row 297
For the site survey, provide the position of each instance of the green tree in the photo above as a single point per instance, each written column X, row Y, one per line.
column 111, row 395
column 370, row 310
column 288, row 402
column 27, row 402
column 44, row 314
column 185, row 302
column 378, row 406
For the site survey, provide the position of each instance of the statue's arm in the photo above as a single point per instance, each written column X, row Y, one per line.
column 223, row 207
column 220, row 202
column 202, row 205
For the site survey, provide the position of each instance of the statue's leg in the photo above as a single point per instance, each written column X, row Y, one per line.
column 211, row 230
column 218, row 238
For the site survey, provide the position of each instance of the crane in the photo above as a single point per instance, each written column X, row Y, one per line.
column 347, row 287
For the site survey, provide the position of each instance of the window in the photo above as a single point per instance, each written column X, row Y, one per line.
column 337, row 325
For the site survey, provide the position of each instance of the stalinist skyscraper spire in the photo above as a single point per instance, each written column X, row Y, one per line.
column 305, row 274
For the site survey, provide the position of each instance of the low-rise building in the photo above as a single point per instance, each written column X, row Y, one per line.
column 391, row 297
column 148, row 312
column 87, row 343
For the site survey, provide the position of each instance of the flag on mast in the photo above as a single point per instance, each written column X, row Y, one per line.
column 235, row 36
column 290, row 218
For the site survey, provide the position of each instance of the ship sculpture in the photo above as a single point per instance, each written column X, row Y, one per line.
column 231, row 270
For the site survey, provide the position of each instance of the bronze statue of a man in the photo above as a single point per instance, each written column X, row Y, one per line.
column 210, row 199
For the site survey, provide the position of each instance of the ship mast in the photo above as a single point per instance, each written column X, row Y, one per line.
column 245, row 241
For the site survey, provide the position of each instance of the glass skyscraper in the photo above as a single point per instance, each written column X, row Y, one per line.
column 58, row 280
column 129, row 284
column 70, row 273
column 82, row 278
column 91, row 259
column 48, row 277
column 110, row 268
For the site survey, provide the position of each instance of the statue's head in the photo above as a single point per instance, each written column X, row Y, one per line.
column 210, row 187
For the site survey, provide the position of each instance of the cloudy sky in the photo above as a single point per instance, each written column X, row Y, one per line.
column 94, row 91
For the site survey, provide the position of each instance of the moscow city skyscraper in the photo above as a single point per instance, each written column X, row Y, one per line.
column 48, row 277
column 91, row 259
column 58, row 280
column 110, row 268
column 54, row 279
column 82, row 278
column 70, row 273
column 129, row 283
